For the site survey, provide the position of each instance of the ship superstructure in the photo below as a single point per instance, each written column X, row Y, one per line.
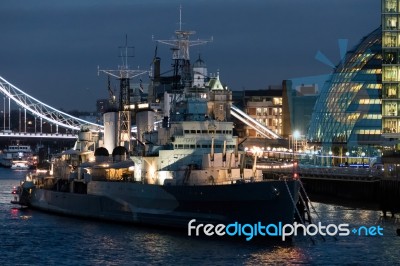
column 196, row 136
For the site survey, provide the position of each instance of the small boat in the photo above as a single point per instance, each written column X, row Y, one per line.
column 15, row 153
column 20, row 165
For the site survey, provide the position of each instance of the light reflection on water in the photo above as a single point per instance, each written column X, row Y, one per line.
column 35, row 238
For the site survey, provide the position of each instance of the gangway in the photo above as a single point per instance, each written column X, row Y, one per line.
column 248, row 120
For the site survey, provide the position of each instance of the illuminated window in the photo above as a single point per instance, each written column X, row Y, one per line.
column 369, row 101
column 391, row 23
column 372, row 116
column 390, row 5
column 353, row 116
column 390, row 73
column 390, row 126
column 369, row 132
column 374, row 86
column 389, row 57
column 390, row 109
column 390, row 91
column 355, row 87
column 277, row 101
column 390, row 39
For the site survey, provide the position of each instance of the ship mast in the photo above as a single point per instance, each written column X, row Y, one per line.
column 124, row 74
column 180, row 54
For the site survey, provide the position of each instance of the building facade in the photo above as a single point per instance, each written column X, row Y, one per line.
column 348, row 115
column 391, row 69
column 298, row 105
column 265, row 106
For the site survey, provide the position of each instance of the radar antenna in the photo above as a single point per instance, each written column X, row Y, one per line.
column 180, row 54
column 180, row 45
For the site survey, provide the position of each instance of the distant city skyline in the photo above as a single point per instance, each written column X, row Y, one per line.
column 51, row 50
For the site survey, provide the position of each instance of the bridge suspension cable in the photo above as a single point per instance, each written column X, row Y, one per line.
column 248, row 120
column 44, row 111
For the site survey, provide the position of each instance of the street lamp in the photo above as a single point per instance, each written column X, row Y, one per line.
column 330, row 157
column 296, row 136
column 347, row 158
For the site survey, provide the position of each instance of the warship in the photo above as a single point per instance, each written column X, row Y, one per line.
column 180, row 162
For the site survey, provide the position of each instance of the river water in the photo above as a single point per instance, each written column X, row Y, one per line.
column 30, row 237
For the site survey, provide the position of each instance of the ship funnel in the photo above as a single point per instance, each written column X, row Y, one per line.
column 144, row 122
column 110, row 130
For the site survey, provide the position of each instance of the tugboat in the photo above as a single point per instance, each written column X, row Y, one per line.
column 187, row 167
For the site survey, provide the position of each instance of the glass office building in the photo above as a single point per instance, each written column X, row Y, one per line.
column 348, row 113
column 390, row 69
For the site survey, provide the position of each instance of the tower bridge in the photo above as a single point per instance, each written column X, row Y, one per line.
column 41, row 111
column 47, row 114
column 40, row 135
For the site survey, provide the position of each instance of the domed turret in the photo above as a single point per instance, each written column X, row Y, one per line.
column 119, row 154
column 101, row 154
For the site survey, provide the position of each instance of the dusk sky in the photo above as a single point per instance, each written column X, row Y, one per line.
column 51, row 49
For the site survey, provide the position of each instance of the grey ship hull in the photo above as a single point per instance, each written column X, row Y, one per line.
column 174, row 206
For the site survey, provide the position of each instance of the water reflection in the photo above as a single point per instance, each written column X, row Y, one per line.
column 330, row 213
column 50, row 239
column 14, row 212
column 278, row 255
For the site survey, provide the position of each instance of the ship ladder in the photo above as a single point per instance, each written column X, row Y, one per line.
column 297, row 210
column 303, row 190
column 305, row 207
